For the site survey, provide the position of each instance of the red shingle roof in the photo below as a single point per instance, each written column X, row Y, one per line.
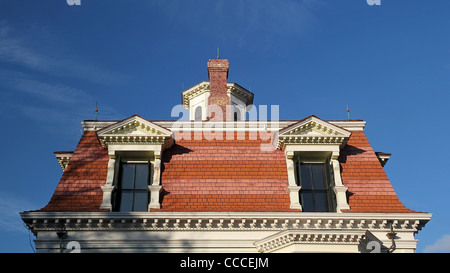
column 79, row 187
column 369, row 189
column 225, row 175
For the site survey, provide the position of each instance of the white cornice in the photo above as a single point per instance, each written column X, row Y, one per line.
column 241, row 92
column 196, row 90
column 351, row 125
column 247, row 126
column 63, row 158
column 134, row 130
column 92, row 125
column 200, row 88
column 136, row 124
column 179, row 221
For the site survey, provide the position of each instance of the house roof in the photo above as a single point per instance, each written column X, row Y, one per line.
column 79, row 187
column 369, row 189
column 224, row 175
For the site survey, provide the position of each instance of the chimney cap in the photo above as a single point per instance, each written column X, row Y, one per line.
column 218, row 62
column 218, row 65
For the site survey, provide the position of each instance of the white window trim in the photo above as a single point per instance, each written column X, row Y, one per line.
column 155, row 184
column 134, row 134
column 293, row 189
column 314, row 135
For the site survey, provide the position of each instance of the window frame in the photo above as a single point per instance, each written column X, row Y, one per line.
column 116, row 198
column 327, row 182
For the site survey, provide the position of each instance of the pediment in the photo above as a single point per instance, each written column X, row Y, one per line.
column 134, row 129
column 313, row 130
column 297, row 238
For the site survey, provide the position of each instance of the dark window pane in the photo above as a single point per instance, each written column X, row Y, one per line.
column 315, row 192
column 318, row 178
column 127, row 176
column 140, row 201
column 305, row 174
column 126, row 202
column 307, row 201
column 321, row 201
column 141, row 174
column 237, row 114
column 133, row 190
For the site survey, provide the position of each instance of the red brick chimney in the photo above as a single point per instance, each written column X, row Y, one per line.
column 218, row 75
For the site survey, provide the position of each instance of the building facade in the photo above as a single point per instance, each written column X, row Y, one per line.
column 224, row 182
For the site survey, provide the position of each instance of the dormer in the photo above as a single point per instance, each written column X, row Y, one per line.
column 135, row 144
column 312, row 148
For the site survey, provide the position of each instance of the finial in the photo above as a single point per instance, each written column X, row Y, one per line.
column 348, row 113
column 96, row 110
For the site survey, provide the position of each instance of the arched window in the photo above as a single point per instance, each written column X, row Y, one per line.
column 198, row 113
column 237, row 114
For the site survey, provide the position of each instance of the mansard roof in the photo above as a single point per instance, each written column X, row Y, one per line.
column 222, row 174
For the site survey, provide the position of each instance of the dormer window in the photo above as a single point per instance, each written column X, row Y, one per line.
column 312, row 149
column 132, row 181
column 315, row 180
column 132, row 192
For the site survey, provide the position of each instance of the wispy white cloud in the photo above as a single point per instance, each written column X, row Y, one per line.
column 25, row 51
column 247, row 23
column 10, row 207
column 49, row 102
column 13, row 50
column 442, row 245
column 38, row 82
column 46, row 91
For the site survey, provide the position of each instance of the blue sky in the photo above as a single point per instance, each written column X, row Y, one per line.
column 389, row 63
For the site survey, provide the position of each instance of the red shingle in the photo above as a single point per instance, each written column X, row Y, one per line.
column 225, row 175
column 369, row 189
column 226, row 202
column 79, row 187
